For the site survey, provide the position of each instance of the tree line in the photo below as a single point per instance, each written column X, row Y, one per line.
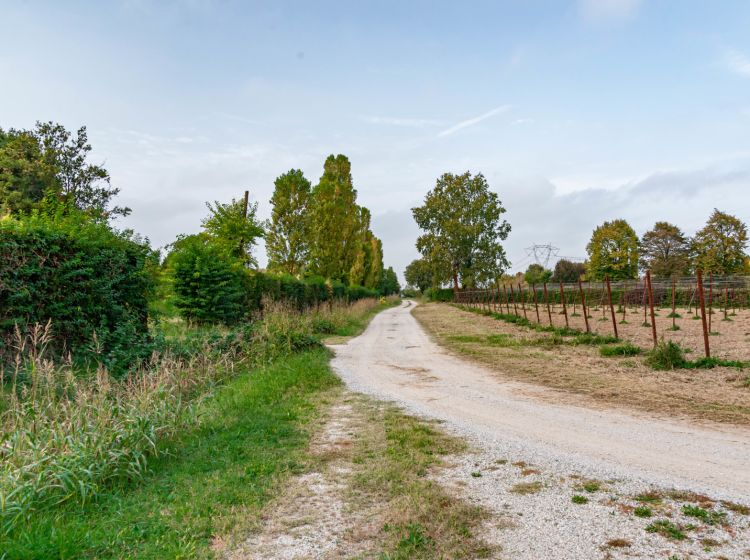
column 64, row 260
column 462, row 231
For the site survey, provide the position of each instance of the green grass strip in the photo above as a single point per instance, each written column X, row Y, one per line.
column 214, row 479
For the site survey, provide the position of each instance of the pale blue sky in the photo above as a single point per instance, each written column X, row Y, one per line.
column 576, row 111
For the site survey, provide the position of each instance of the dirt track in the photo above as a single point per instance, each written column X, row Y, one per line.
column 396, row 360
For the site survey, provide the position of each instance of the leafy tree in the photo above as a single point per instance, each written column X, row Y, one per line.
column 568, row 271
column 24, row 175
column 389, row 282
column 419, row 274
column 720, row 246
column 50, row 163
column 233, row 231
column 334, row 221
column 665, row 250
column 288, row 236
column 461, row 219
column 613, row 251
column 537, row 274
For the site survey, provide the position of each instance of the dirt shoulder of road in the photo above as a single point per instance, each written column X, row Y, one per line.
column 368, row 491
column 514, row 352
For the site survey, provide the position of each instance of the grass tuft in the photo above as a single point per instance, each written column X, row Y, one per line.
column 623, row 349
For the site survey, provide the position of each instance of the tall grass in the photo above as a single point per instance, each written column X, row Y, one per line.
column 66, row 436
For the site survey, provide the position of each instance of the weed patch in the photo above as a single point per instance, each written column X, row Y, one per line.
column 667, row 529
column 623, row 349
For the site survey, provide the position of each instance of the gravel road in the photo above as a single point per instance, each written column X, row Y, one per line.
column 395, row 359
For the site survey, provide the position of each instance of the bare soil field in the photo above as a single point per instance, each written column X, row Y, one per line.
column 730, row 338
column 513, row 352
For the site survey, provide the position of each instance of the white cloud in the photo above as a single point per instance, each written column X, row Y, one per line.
column 474, row 120
column 399, row 121
column 523, row 121
column 605, row 11
column 738, row 62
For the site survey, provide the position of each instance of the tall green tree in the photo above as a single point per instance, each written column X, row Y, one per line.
column 51, row 164
column 665, row 250
column 567, row 271
column 375, row 270
column 461, row 220
column 720, row 246
column 613, row 251
column 389, row 282
column 537, row 274
column 288, row 235
column 233, row 230
column 419, row 274
column 334, row 221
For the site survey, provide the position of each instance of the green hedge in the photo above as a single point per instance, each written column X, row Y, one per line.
column 82, row 277
column 210, row 287
column 439, row 294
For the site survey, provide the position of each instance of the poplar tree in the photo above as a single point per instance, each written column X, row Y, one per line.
column 334, row 221
column 288, row 235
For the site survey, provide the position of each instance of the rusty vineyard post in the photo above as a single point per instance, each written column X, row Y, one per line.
column 645, row 303
column 565, row 309
column 674, row 303
column 507, row 299
column 522, row 295
column 546, row 301
column 611, row 306
column 536, row 304
column 702, row 301
column 710, row 302
column 583, row 306
column 651, row 306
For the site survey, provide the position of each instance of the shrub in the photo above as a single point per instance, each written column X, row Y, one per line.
column 666, row 355
column 439, row 294
column 209, row 286
column 90, row 282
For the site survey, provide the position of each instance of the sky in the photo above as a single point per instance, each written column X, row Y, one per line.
column 575, row 111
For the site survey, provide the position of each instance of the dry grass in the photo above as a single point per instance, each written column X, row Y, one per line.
column 716, row 394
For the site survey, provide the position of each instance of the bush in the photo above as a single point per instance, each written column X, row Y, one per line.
column 209, row 286
column 666, row 355
column 439, row 294
column 89, row 282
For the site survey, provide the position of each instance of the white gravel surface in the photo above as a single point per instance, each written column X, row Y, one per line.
column 511, row 422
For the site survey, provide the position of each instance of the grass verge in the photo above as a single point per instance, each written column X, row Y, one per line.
column 212, row 480
column 419, row 519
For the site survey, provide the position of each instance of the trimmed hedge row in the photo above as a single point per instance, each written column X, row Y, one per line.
column 84, row 279
column 210, row 287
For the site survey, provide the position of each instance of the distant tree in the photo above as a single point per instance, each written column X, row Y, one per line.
column 375, row 271
column 461, row 220
column 720, row 246
column 419, row 274
column 288, row 235
column 613, row 251
column 568, row 271
column 389, row 282
column 50, row 163
column 665, row 250
column 233, row 232
column 334, row 221
column 537, row 274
